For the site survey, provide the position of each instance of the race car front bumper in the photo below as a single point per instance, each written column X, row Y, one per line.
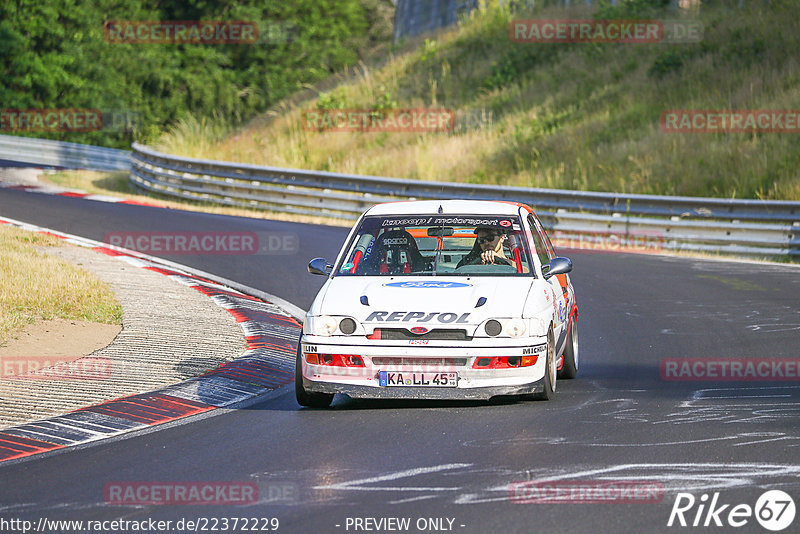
column 473, row 382
column 423, row 393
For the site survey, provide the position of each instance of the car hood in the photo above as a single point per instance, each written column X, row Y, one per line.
column 504, row 297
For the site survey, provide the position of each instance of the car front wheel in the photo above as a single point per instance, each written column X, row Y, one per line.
column 307, row 398
column 550, row 372
column 570, row 367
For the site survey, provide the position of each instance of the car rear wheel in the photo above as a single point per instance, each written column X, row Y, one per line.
column 307, row 398
column 550, row 372
column 570, row 367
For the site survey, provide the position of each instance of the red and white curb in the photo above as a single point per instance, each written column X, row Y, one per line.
column 59, row 191
column 268, row 363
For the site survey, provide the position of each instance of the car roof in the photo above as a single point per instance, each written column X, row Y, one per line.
column 452, row 207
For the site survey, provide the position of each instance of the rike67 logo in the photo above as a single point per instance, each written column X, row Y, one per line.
column 774, row 510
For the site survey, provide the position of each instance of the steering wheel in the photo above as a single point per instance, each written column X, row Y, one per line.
column 477, row 260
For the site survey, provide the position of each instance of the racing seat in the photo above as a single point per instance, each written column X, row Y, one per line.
column 394, row 252
column 514, row 247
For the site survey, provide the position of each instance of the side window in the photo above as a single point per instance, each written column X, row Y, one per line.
column 546, row 239
column 541, row 248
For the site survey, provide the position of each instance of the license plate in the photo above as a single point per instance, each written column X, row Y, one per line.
column 430, row 380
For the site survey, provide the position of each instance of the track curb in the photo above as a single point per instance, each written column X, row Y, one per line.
column 271, row 327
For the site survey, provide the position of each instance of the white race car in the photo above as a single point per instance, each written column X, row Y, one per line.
column 454, row 299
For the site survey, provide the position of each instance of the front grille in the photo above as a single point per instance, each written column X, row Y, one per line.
column 427, row 362
column 404, row 334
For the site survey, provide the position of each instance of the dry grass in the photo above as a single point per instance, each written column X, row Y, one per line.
column 582, row 116
column 38, row 286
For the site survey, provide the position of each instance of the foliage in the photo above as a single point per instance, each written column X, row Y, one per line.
column 53, row 54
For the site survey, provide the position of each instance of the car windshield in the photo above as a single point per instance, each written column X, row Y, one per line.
column 455, row 245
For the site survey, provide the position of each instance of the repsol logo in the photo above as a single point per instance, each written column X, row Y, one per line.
column 417, row 317
column 534, row 350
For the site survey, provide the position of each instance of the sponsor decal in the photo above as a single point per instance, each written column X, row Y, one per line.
column 438, row 220
column 419, row 330
column 310, row 348
column 395, row 241
column 560, row 311
column 505, row 224
column 536, row 349
column 418, row 317
column 368, row 252
column 427, row 285
column 417, row 341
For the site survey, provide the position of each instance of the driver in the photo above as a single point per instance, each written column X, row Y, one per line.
column 488, row 248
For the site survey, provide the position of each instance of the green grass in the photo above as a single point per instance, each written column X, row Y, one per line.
column 573, row 116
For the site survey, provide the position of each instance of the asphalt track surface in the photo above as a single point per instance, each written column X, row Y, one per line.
column 618, row 421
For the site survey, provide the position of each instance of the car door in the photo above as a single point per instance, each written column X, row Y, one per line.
column 561, row 288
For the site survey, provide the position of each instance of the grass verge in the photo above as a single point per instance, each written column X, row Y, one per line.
column 38, row 286
column 581, row 116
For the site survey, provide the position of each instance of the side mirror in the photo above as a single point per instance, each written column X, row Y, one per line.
column 557, row 266
column 320, row 266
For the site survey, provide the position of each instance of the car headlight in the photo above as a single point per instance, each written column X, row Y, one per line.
column 323, row 325
column 515, row 327
column 326, row 325
column 347, row 326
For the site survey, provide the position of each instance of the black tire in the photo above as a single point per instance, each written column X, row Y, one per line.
column 570, row 368
column 306, row 398
column 550, row 372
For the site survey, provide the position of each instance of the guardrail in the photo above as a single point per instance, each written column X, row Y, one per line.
column 730, row 226
column 47, row 153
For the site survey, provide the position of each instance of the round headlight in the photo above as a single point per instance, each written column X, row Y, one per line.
column 515, row 327
column 325, row 325
column 493, row 328
column 347, row 326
